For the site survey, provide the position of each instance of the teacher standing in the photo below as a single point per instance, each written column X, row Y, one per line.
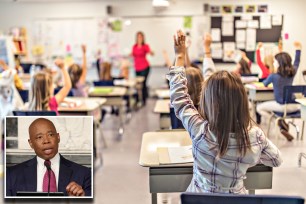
column 141, row 64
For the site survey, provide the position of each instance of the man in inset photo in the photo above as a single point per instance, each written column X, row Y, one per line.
column 48, row 171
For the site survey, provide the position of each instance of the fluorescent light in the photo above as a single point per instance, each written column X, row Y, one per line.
column 160, row 3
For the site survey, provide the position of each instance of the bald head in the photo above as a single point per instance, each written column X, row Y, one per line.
column 43, row 138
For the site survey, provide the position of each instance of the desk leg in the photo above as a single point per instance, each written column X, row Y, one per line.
column 154, row 198
column 251, row 192
column 120, row 133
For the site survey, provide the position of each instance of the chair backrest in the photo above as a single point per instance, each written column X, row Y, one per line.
column 34, row 113
column 290, row 93
column 249, row 75
column 205, row 198
column 104, row 83
column 26, row 67
column 24, row 94
column 57, row 89
column 175, row 122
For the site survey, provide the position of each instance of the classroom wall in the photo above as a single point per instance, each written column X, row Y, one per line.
column 23, row 14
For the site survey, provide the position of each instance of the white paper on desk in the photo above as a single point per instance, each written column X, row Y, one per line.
column 250, row 39
column 277, row 20
column 227, row 28
column 241, row 24
column 240, row 45
column 229, row 49
column 70, row 103
column 265, row 22
column 216, row 50
column 253, row 24
column 240, row 35
column 180, row 154
column 216, row 34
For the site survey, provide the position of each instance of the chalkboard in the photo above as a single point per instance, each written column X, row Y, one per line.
column 262, row 35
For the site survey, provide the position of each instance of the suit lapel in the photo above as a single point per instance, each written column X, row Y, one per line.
column 65, row 173
column 30, row 175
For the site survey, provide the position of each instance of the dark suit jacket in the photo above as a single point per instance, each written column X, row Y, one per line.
column 23, row 177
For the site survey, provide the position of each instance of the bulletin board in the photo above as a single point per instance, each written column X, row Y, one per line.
column 262, row 35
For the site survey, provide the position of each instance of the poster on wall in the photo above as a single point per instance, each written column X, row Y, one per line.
column 215, row 9
column 277, row 20
column 216, row 34
column 250, row 40
column 227, row 28
column 240, row 35
column 262, row 8
column 238, row 9
column 241, row 24
column 227, row 9
column 250, row 8
column 216, row 50
column 229, row 50
column 188, row 22
column 265, row 22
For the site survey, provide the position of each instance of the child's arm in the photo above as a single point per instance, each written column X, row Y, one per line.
column 208, row 64
column 268, row 81
column 270, row 154
column 167, row 59
column 298, row 48
column 183, row 105
column 264, row 69
column 84, row 66
column 3, row 65
column 60, row 96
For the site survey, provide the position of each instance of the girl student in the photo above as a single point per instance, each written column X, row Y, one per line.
column 225, row 142
column 283, row 77
column 78, row 76
column 42, row 89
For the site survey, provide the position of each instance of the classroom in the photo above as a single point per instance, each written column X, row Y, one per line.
column 153, row 101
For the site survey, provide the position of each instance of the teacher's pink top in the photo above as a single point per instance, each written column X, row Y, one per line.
column 139, row 54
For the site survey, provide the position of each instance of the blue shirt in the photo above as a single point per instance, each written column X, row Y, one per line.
column 279, row 82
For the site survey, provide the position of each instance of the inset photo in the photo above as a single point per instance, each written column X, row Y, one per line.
column 250, row 8
column 48, row 156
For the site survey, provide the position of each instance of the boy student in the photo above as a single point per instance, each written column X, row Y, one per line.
column 64, row 176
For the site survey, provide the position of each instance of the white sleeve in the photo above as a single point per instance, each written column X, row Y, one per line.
column 208, row 67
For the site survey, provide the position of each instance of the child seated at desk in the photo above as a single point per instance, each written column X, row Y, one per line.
column 284, row 77
column 78, row 76
column 42, row 89
column 225, row 141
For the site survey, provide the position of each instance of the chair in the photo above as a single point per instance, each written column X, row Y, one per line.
column 205, row 198
column 56, row 90
column 104, row 83
column 175, row 122
column 24, row 94
column 26, row 67
column 249, row 75
column 289, row 97
column 34, row 113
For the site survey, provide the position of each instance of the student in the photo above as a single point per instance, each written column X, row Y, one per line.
column 66, row 176
column 78, row 76
column 225, row 142
column 243, row 66
column 142, row 66
column 17, row 81
column 41, row 90
column 208, row 64
column 284, row 77
column 106, row 72
column 194, row 84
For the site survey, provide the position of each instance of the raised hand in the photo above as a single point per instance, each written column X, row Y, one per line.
column 297, row 45
column 83, row 48
column 179, row 48
column 207, row 40
column 60, row 63
column 259, row 45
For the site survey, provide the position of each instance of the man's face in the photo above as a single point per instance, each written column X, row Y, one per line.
column 44, row 139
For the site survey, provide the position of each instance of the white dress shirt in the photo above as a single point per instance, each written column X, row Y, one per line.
column 41, row 170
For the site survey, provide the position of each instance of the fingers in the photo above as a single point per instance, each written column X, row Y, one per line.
column 73, row 189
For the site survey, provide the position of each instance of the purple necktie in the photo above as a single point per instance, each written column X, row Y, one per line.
column 46, row 178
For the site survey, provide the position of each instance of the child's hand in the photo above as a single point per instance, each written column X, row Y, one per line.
column 179, row 44
column 3, row 64
column 297, row 45
column 83, row 48
column 207, row 40
column 60, row 63
column 259, row 45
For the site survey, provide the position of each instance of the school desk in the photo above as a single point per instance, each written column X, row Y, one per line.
column 162, row 107
column 302, row 101
column 258, row 93
column 162, row 93
column 114, row 96
column 131, row 85
column 177, row 177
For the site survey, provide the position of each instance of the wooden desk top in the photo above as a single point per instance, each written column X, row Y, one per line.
column 162, row 93
column 162, row 106
column 152, row 140
column 85, row 104
column 116, row 91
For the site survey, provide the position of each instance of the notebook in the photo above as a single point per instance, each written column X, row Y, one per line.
column 175, row 155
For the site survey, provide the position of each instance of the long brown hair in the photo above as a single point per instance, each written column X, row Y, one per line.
column 40, row 94
column 224, row 104
column 244, row 67
column 75, row 72
column 106, row 71
column 143, row 38
column 194, row 84
column 285, row 68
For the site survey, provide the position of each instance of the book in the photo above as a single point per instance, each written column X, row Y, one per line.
column 101, row 90
column 175, row 155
